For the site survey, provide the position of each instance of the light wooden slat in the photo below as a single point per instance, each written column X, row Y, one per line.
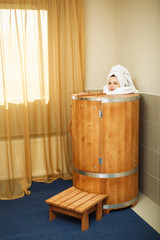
column 59, row 195
column 74, row 199
column 66, row 197
column 90, row 203
column 81, row 201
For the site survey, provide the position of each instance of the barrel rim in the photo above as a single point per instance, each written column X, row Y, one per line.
column 120, row 205
column 107, row 100
column 105, row 175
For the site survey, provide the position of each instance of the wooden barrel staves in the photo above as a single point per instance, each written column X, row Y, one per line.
column 105, row 146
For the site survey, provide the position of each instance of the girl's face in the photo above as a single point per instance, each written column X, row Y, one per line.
column 113, row 83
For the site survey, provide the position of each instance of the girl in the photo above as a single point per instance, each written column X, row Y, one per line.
column 119, row 81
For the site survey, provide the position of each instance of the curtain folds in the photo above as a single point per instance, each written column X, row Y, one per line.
column 42, row 62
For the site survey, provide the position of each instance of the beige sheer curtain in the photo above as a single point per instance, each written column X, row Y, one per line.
column 42, row 62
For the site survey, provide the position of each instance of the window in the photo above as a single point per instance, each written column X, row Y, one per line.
column 23, row 56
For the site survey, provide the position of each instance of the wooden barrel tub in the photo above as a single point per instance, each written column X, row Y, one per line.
column 105, row 146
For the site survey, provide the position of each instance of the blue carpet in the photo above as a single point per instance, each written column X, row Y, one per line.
column 28, row 218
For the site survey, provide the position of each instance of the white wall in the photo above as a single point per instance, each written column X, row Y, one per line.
column 100, row 41
column 125, row 32
column 138, row 42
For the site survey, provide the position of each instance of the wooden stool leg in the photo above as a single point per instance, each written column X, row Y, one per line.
column 99, row 211
column 85, row 221
column 52, row 214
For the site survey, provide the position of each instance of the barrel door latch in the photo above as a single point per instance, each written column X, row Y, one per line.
column 100, row 113
column 100, row 160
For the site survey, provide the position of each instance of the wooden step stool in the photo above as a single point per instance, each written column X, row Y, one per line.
column 76, row 203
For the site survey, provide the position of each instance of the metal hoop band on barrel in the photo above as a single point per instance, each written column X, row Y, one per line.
column 106, row 175
column 108, row 100
column 120, row 205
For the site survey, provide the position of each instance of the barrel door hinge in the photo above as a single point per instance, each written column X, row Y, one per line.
column 100, row 113
column 100, row 160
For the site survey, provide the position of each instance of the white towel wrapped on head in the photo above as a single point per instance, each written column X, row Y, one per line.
column 125, row 81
